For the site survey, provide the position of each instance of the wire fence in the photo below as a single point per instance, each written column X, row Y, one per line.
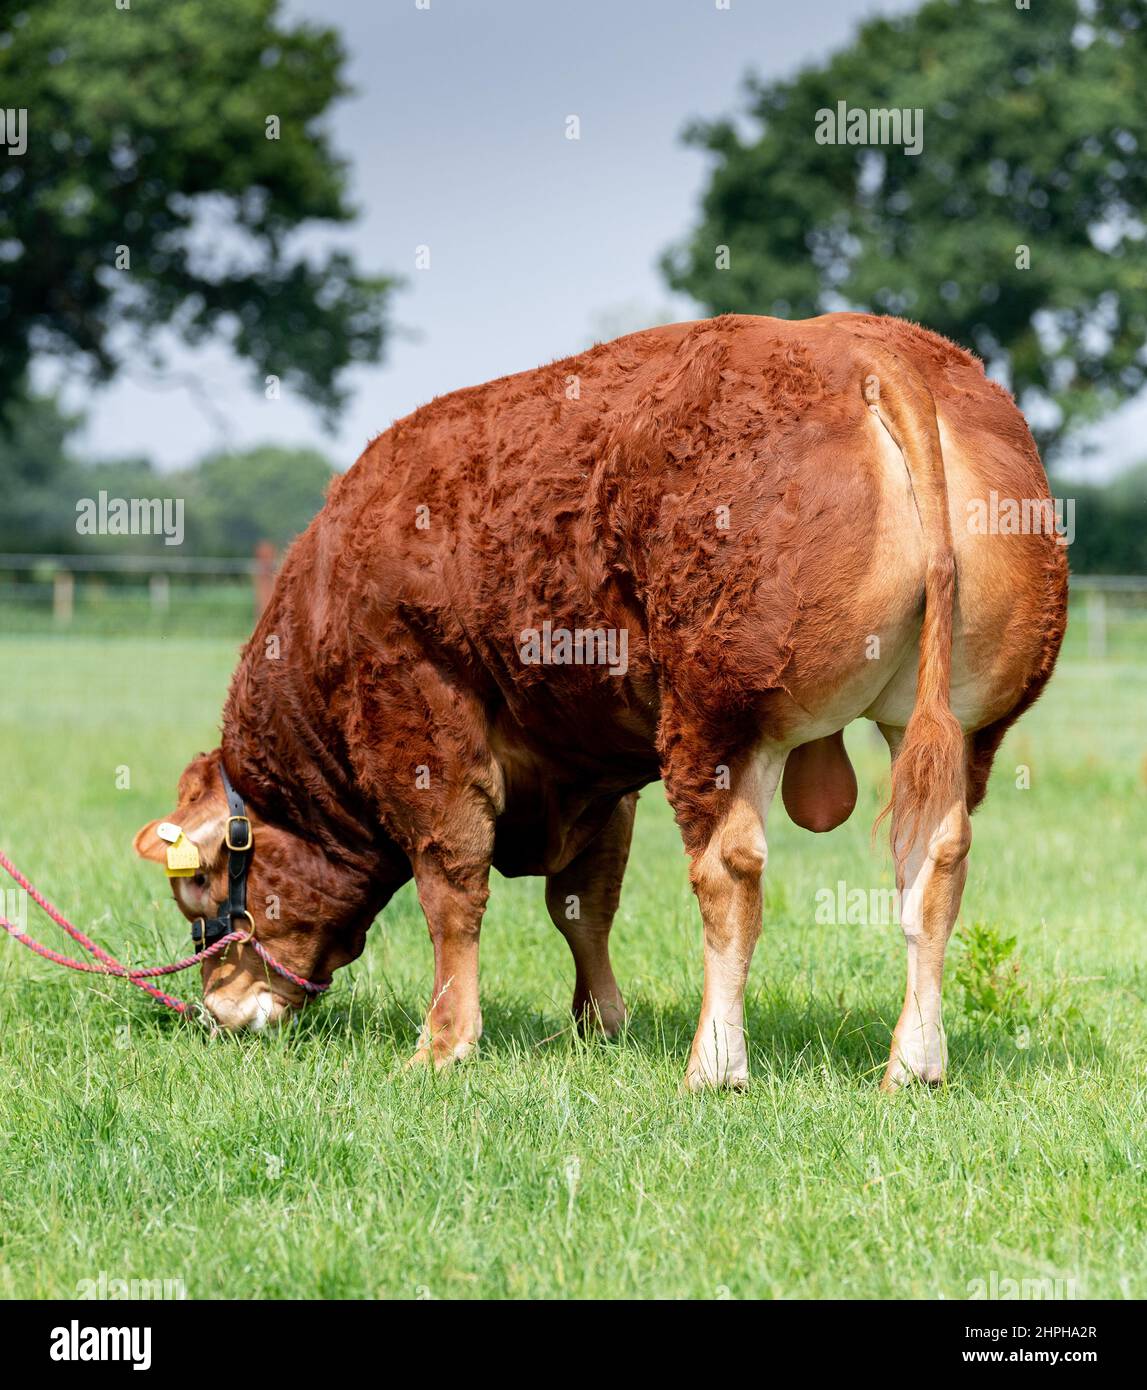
column 162, row 595
column 149, row 595
column 1108, row 617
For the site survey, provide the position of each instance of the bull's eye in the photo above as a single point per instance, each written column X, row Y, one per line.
column 200, row 880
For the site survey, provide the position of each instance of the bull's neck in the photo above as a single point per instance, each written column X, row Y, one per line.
column 285, row 750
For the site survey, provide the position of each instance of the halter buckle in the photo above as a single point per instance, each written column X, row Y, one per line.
column 232, row 821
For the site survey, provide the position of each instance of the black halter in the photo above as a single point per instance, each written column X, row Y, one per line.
column 206, row 931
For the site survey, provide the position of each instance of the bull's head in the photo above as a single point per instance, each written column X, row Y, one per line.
column 309, row 912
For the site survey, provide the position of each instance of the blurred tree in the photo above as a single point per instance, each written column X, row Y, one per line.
column 235, row 500
column 1035, row 134
column 150, row 197
column 36, row 470
column 232, row 500
column 1110, row 524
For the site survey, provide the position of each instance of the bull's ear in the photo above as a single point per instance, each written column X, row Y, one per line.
column 148, row 845
column 202, row 825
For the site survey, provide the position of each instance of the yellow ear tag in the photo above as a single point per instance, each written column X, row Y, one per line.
column 182, row 858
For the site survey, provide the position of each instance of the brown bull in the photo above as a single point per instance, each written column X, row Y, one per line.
column 696, row 553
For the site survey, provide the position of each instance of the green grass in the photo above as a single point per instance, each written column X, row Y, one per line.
column 309, row 1164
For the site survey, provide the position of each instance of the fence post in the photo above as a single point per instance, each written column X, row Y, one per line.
column 1096, row 624
column 63, row 597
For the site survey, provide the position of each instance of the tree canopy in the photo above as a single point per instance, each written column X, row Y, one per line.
column 172, row 150
column 1035, row 135
column 1111, row 524
column 233, row 499
column 266, row 493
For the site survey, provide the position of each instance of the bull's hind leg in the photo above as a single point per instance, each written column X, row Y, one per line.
column 582, row 899
column 930, row 879
column 726, row 875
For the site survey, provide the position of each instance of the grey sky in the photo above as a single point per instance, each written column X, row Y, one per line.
column 538, row 244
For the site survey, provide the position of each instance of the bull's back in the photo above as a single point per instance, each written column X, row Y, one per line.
column 714, row 491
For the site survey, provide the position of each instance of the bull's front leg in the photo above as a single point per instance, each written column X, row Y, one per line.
column 453, row 902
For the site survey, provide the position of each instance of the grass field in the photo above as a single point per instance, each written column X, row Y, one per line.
column 309, row 1164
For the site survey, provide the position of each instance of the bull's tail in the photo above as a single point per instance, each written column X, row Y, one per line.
column 929, row 769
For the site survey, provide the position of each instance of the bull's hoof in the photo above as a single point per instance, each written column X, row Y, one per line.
column 599, row 1018
column 441, row 1054
column 905, row 1067
column 718, row 1059
column 700, row 1078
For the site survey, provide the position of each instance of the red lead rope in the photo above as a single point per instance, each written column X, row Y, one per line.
column 105, row 964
